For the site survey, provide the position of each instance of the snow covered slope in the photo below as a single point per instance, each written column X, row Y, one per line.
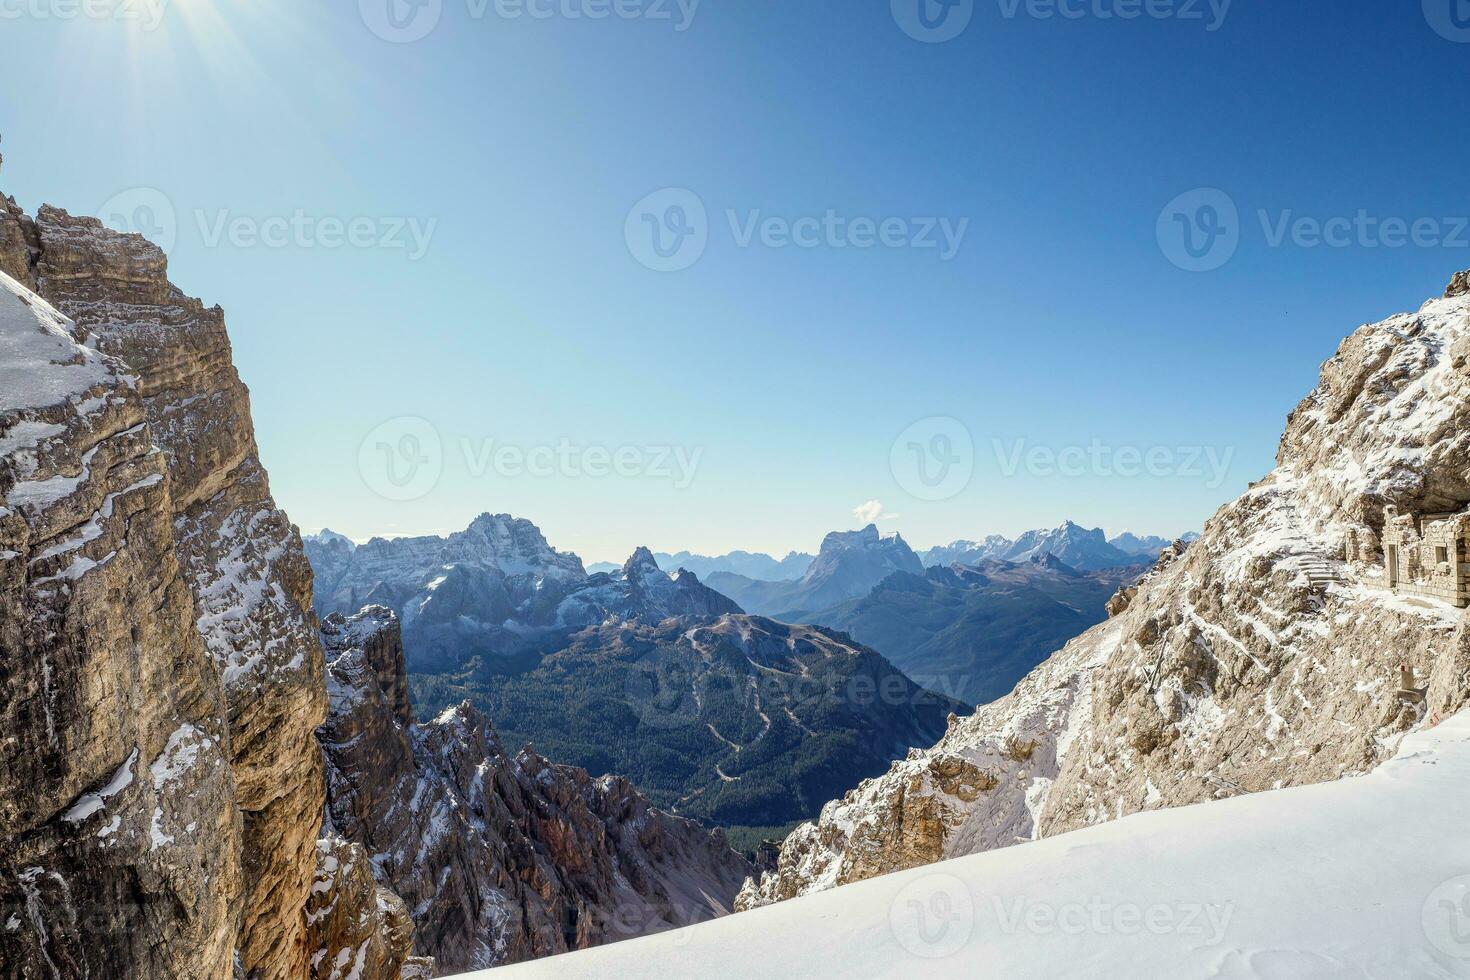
column 1364, row 877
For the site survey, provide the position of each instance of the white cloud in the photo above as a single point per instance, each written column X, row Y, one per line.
column 872, row 512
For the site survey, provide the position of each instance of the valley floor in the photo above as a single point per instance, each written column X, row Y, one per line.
column 1363, row 877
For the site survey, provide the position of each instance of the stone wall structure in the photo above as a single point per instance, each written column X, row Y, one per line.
column 1428, row 556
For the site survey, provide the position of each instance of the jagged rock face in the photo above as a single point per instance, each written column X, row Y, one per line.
column 120, row 853
column 1459, row 285
column 239, row 555
column 500, row 858
column 1258, row 658
column 356, row 927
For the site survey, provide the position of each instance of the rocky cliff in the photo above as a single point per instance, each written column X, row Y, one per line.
column 500, row 857
column 162, row 603
column 1264, row 656
column 121, row 850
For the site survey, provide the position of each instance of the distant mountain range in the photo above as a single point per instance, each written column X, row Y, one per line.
column 973, row 631
column 752, row 565
column 496, row 590
column 1082, row 548
column 849, row 564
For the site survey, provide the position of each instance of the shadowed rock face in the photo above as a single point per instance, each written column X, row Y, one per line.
column 1264, row 655
column 499, row 858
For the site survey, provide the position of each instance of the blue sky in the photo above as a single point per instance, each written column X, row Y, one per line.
column 756, row 397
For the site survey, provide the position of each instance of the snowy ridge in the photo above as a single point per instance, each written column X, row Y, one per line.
column 1271, row 885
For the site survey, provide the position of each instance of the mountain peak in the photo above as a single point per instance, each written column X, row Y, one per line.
column 1459, row 285
column 640, row 563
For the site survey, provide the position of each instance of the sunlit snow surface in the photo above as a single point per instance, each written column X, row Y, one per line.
column 1364, row 877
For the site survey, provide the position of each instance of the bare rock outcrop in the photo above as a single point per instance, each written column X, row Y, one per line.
column 499, row 857
column 156, row 623
column 355, row 926
column 240, row 556
column 120, row 854
column 1264, row 656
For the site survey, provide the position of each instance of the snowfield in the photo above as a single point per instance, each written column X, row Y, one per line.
column 1366, row 877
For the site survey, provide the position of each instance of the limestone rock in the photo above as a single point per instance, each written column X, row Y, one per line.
column 500, row 857
column 121, row 842
column 240, row 556
column 356, row 927
column 1459, row 285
